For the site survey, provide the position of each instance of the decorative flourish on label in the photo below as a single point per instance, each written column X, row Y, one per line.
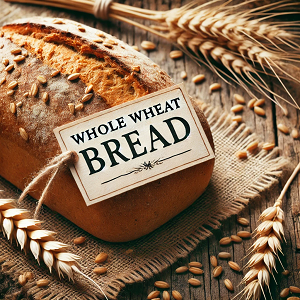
column 147, row 165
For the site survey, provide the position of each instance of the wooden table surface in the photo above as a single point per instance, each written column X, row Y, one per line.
column 264, row 127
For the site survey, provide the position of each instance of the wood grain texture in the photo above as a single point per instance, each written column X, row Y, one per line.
column 264, row 127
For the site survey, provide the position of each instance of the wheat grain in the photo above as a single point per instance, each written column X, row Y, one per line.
column 101, row 258
column 181, row 270
column 153, row 294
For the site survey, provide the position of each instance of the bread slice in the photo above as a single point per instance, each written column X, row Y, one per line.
column 39, row 47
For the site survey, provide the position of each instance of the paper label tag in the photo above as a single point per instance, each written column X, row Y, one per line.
column 134, row 143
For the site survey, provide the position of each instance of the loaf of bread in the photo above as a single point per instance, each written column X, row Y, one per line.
column 37, row 56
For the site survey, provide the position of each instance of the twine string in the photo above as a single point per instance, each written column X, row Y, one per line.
column 101, row 9
column 49, row 171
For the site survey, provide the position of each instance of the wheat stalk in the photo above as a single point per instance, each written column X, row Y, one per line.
column 16, row 225
column 266, row 248
column 242, row 42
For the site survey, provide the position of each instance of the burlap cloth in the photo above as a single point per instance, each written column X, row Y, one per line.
column 233, row 184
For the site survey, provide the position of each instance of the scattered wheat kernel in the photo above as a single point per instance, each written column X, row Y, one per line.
column 181, row 269
column 86, row 97
column 195, row 264
column 34, row 90
column 251, row 103
column 23, row 133
column 214, row 87
column 252, row 146
column 1, row 46
column 101, row 34
column 98, row 40
column 234, row 266
column 286, row 272
column 153, row 294
column 42, row 79
column 16, row 51
column 45, row 97
column 213, row 261
column 294, row 289
column 196, row 271
column 2, row 80
column 71, row 107
column 283, row 128
column 237, row 108
column 166, row 295
column 79, row 240
column 73, row 76
column 293, row 298
column 80, row 28
column 228, row 285
column 236, row 239
column 259, row 111
column 5, row 61
column 13, row 108
column 26, row 94
column 268, row 146
column 183, row 74
column 237, row 119
column 239, row 99
column 243, row 221
column 225, row 241
column 79, row 106
column 136, row 48
column 136, row 68
column 9, row 68
column 19, row 104
column 241, row 154
column 284, row 293
column 54, row 73
column 176, row 54
column 100, row 270
column 295, row 133
column 58, row 22
column 217, row 271
column 147, row 45
column 194, row 282
column 101, row 258
column 42, row 282
column 22, row 280
column 161, row 284
column 10, row 92
column 259, row 102
column 176, row 295
column 19, row 58
column 28, row 275
column 12, row 85
column 88, row 89
column 198, row 78
column 224, row 255
column 244, row 234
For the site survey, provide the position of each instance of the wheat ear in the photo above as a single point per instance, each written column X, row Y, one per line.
column 16, row 225
column 266, row 248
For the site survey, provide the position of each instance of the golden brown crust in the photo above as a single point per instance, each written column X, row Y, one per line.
column 121, row 218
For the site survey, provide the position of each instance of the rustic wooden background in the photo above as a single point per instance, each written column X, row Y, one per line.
column 264, row 127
